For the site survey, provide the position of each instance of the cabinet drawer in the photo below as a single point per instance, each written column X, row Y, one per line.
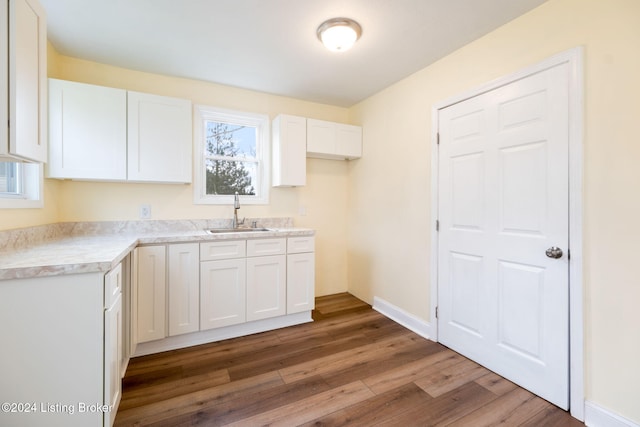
column 227, row 249
column 296, row 245
column 262, row 247
column 112, row 285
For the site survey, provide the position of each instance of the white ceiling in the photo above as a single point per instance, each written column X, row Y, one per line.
column 271, row 45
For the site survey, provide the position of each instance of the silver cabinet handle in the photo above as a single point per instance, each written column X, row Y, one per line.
column 554, row 252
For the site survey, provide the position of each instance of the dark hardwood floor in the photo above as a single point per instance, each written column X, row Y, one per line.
column 352, row 366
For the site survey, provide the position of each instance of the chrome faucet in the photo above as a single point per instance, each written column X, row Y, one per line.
column 236, row 206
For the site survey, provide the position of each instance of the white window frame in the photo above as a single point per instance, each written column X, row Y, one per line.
column 32, row 184
column 202, row 115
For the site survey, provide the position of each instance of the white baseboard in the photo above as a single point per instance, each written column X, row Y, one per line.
column 597, row 416
column 400, row 316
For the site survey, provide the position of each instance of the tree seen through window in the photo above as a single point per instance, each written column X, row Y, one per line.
column 230, row 159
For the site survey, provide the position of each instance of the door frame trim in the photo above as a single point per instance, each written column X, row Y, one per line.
column 575, row 59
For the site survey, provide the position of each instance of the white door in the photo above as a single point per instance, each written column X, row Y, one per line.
column 503, row 202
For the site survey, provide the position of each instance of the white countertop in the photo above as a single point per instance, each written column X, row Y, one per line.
column 101, row 252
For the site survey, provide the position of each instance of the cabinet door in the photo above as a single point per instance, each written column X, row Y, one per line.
column 300, row 282
column 159, row 138
column 266, row 287
column 112, row 358
column 321, row 137
column 87, row 131
column 348, row 141
column 184, row 288
column 289, row 151
column 151, row 290
column 222, row 293
column 27, row 81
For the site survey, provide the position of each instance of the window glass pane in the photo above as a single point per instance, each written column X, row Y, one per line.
column 229, row 140
column 9, row 178
column 226, row 177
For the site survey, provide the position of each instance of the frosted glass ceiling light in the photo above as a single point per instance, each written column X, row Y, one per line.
column 339, row 34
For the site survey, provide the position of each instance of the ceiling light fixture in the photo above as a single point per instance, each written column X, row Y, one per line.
column 339, row 34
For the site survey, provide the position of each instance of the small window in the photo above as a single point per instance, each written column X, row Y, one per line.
column 232, row 156
column 11, row 179
column 20, row 185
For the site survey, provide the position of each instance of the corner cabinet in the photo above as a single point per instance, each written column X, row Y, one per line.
column 289, row 144
column 336, row 141
column 66, row 338
column 23, row 54
column 100, row 133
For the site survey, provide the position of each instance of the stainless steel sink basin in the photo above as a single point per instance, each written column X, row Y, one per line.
column 233, row 230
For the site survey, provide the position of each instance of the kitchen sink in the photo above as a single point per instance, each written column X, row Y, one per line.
column 233, row 230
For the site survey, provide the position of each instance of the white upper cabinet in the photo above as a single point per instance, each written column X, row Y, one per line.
column 159, row 138
column 289, row 151
column 321, row 137
column 107, row 134
column 87, row 131
column 329, row 140
column 23, row 53
column 348, row 141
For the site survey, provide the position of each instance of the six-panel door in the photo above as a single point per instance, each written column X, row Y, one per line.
column 503, row 201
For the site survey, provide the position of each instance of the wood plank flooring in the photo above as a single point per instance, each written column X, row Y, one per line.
column 352, row 366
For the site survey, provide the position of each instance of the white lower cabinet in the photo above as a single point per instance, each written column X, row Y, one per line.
column 266, row 278
column 184, row 288
column 219, row 289
column 222, row 293
column 113, row 342
column 300, row 274
column 66, row 348
column 150, row 288
column 266, row 287
column 300, row 282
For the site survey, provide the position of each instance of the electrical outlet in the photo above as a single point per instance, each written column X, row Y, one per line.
column 145, row 211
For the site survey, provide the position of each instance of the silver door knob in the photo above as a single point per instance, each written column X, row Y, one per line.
column 554, row 252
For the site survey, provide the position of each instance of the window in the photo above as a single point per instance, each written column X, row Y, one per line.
column 20, row 185
column 10, row 179
column 231, row 156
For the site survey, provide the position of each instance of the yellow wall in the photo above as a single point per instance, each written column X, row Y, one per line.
column 389, row 242
column 386, row 215
column 324, row 197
